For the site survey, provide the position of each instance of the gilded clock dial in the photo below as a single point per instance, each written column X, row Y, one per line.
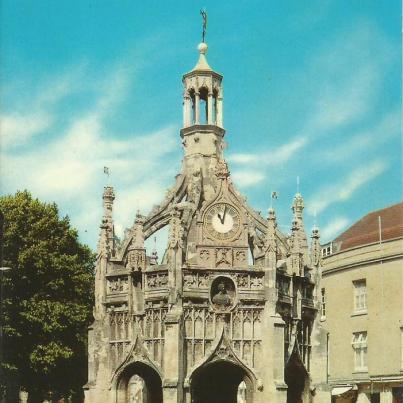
column 222, row 221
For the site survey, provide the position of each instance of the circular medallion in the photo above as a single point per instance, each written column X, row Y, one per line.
column 222, row 293
column 222, row 221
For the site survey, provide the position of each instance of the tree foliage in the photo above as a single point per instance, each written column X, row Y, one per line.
column 48, row 298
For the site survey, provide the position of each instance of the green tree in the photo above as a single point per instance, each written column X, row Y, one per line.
column 47, row 301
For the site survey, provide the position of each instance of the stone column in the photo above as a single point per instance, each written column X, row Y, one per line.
column 272, row 370
column 219, row 112
column 386, row 395
column 278, row 358
column 186, row 110
column 197, row 108
column 173, row 358
column 210, row 109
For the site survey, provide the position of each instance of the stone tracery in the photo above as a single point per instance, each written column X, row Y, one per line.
column 205, row 302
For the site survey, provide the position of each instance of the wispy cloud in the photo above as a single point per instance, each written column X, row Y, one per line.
column 248, row 177
column 274, row 156
column 23, row 119
column 333, row 228
column 250, row 170
column 364, row 140
column 17, row 129
column 345, row 189
column 68, row 167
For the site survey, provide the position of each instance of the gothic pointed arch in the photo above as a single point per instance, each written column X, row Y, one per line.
column 296, row 377
column 222, row 351
column 137, row 354
column 222, row 376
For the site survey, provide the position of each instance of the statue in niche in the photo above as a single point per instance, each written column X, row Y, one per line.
column 222, row 293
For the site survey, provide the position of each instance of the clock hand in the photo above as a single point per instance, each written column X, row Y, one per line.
column 225, row 212
column 220, row 218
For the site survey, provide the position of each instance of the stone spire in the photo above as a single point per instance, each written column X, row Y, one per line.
column 298, row 228
column 298, row 207
column 136, row 265
column 295, row 262
column 270, row 240
column 136, row 254
column 138, row 234
column 105, row 251
column 298, row 241
column 106, row 239
column 270, row 257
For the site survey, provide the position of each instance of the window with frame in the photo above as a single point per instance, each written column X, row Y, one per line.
column 359, row 344
column 360, row 296
column 323, row 303
column 327, row 250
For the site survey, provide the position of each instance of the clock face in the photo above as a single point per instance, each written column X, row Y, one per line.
column 222, row 221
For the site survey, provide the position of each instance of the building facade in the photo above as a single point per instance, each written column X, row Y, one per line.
column 362, row 291
column 231, row 312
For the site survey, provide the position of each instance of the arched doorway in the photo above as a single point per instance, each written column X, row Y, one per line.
column 221, row 382
column 139, row 383
column 297, row 379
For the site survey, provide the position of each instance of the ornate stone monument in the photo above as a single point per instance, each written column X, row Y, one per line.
column 231, row 310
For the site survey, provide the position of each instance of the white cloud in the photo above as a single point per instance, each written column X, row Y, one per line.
column 274, row 156
column 345, row 189
column 17, row 129
column 247, row 178
column 333, row 228
column 68, row 168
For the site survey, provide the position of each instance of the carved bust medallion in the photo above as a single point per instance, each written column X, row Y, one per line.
column 222, row 293
column 222, row 221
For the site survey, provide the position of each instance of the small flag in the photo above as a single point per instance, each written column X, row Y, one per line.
column 106, row 171
column 274, row 195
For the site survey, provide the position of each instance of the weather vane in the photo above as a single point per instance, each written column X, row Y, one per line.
column 203, row 13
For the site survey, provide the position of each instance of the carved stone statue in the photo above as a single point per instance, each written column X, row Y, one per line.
column 222, row 298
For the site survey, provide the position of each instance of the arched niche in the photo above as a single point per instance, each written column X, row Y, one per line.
column 221, row 381
column 204, row 99
column 139, row 381
column 297, row 379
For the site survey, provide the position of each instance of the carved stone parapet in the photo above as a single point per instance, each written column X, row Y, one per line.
column 222, row 257
column 252, row 281
column 240, row 257
column 206, row 257
column 157, row 280
column 117, row 285
column 196, row 280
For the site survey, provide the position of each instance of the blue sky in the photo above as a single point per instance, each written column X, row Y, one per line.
column 312, row 89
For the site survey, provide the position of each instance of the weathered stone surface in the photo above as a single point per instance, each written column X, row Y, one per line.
column 231, row 308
